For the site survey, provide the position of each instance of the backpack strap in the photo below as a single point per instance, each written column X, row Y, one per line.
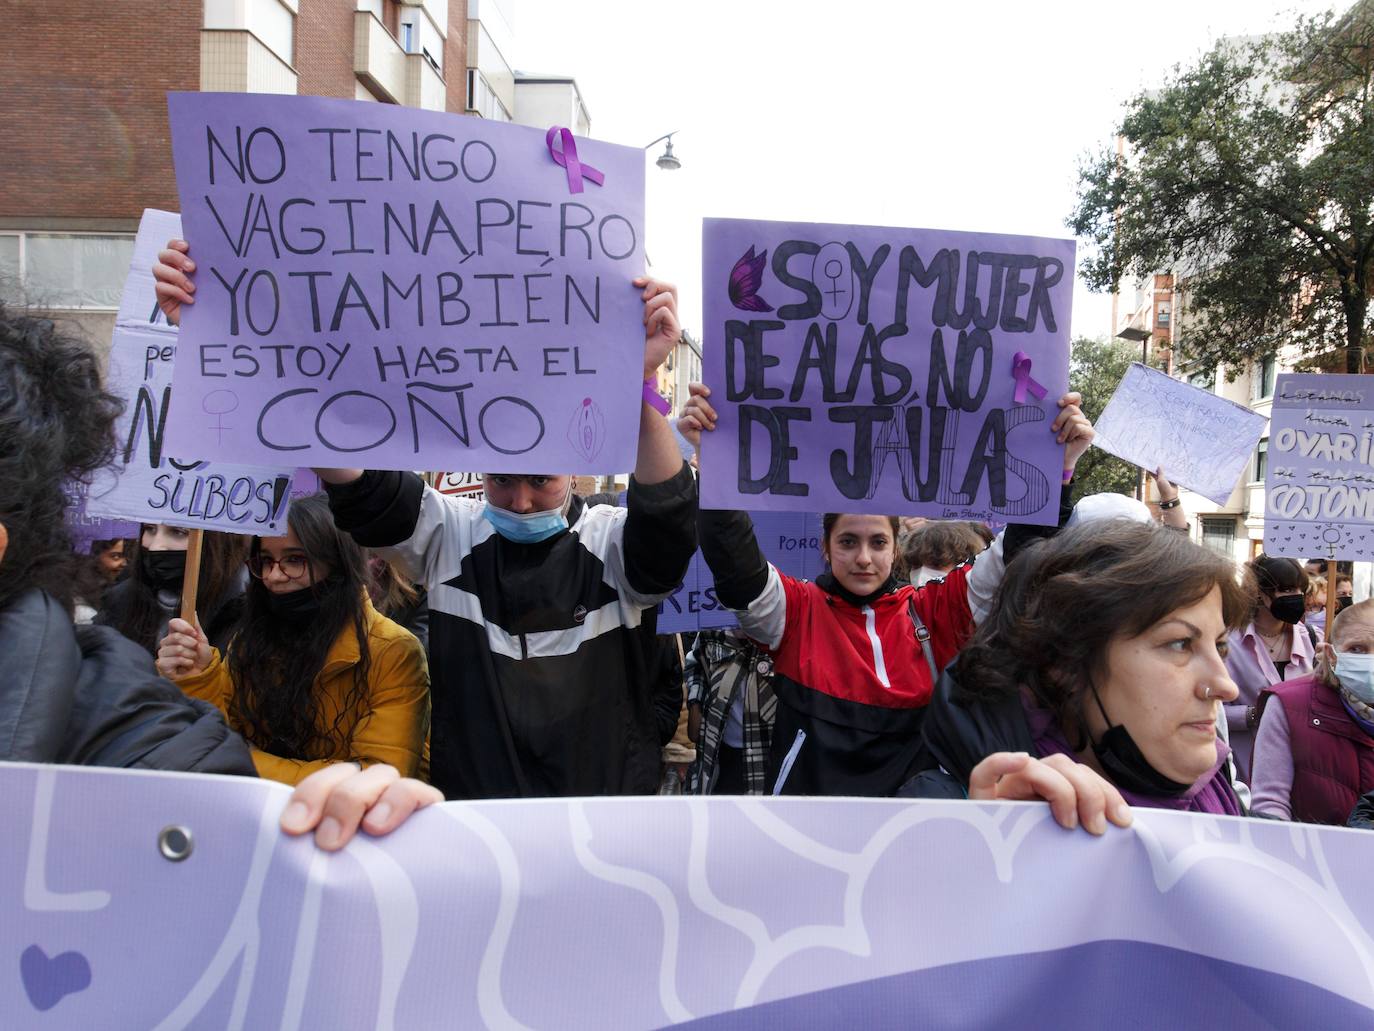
column 923, row 636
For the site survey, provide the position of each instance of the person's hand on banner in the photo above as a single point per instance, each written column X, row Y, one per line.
column 697, row 415
column 172, row 279
column 184, row 651
column 661, row 329
column 1073, row 429
column 1076, row 793
column 335, row 801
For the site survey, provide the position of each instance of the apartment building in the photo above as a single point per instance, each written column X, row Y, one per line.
column 87, row 146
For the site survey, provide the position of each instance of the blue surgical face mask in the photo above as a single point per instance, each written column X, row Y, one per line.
column 1356, row 674
column 526, row 529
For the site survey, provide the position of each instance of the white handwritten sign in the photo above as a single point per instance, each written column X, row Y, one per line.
column 1202, row 441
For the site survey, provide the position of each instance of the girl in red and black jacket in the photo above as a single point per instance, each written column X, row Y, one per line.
column 857, row 652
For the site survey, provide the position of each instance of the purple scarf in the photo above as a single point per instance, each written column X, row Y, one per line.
column 1210, row 793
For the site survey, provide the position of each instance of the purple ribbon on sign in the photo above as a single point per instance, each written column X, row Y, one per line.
column 1020, row 368
column 567, row 157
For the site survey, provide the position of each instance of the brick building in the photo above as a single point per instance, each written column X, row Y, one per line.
column 85, row 120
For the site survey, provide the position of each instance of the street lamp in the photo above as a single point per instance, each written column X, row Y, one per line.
column 1136, row 334
column 668, row 161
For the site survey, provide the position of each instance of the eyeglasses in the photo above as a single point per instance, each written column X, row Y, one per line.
column 293, row 567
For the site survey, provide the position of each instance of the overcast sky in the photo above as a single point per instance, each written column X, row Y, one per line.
column 970, row 115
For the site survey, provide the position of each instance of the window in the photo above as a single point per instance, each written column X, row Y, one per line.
column 408, row 36
column 10, row 288
column 1261, row 460
column 1269, row 370
column 1219, row 535
column 65, row 270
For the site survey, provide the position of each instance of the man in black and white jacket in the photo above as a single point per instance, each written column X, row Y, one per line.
column 538, row 671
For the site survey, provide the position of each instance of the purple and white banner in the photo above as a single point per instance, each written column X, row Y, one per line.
column 645, row 912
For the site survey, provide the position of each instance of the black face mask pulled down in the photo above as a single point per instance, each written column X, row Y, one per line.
column 303, row 604
column 163, row 570
column 1126, row 767
column 1288, row 608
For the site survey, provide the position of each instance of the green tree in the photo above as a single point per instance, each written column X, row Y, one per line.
column 1095, row 369
column 1250, row 175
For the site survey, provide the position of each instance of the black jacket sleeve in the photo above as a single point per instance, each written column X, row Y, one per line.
column 660, row 532
column 960, row 732
column 1018, row 535
column 1363, row 816
column 124, row 715
column 666, row 683
column 378, row 510
column 732, row 552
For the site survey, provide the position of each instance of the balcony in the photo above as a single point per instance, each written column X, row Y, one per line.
column 389, row 73
column 378, row 59
column 236, row 61
column 424, row 86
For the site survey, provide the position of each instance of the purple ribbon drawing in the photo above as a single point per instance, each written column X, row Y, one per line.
column 1020, row 368
column 567, row 158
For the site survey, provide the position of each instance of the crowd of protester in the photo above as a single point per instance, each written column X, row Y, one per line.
column 398, row 646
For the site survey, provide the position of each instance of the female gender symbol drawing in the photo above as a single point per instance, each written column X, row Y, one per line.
column 225, row 401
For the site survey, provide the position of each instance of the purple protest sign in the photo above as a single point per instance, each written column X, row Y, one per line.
column 396, row 288
column 1319, row 482
column 641, row 912
column 789, row 540
column 153, row 478
column 85, row 528
column 864, row 369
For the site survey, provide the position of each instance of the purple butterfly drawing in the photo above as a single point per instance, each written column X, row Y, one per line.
column 745, row 279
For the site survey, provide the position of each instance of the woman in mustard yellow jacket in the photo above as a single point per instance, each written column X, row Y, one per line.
column 314, row 674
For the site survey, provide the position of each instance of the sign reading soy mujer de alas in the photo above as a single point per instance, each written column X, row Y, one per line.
column 864, row 369
column 388, row 287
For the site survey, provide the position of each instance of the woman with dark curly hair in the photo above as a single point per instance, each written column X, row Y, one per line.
column 81, row 695
column 141, row 606
column 1096, row 680
column 314, row 675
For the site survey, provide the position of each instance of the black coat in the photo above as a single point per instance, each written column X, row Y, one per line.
column 219, row 619
column 539, row 652
column 960, row 732
column 87, row 696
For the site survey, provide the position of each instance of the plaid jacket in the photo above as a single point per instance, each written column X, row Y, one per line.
column 719, row 666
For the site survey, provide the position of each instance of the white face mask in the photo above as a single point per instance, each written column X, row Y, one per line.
column 923, row 576
column 1356, row 674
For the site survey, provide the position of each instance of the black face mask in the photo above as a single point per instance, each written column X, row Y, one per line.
column 163, row 570
column 303, row 604
column 296, row 606
column 1126, row 767
column 1288, row 608
column 1343, row 602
